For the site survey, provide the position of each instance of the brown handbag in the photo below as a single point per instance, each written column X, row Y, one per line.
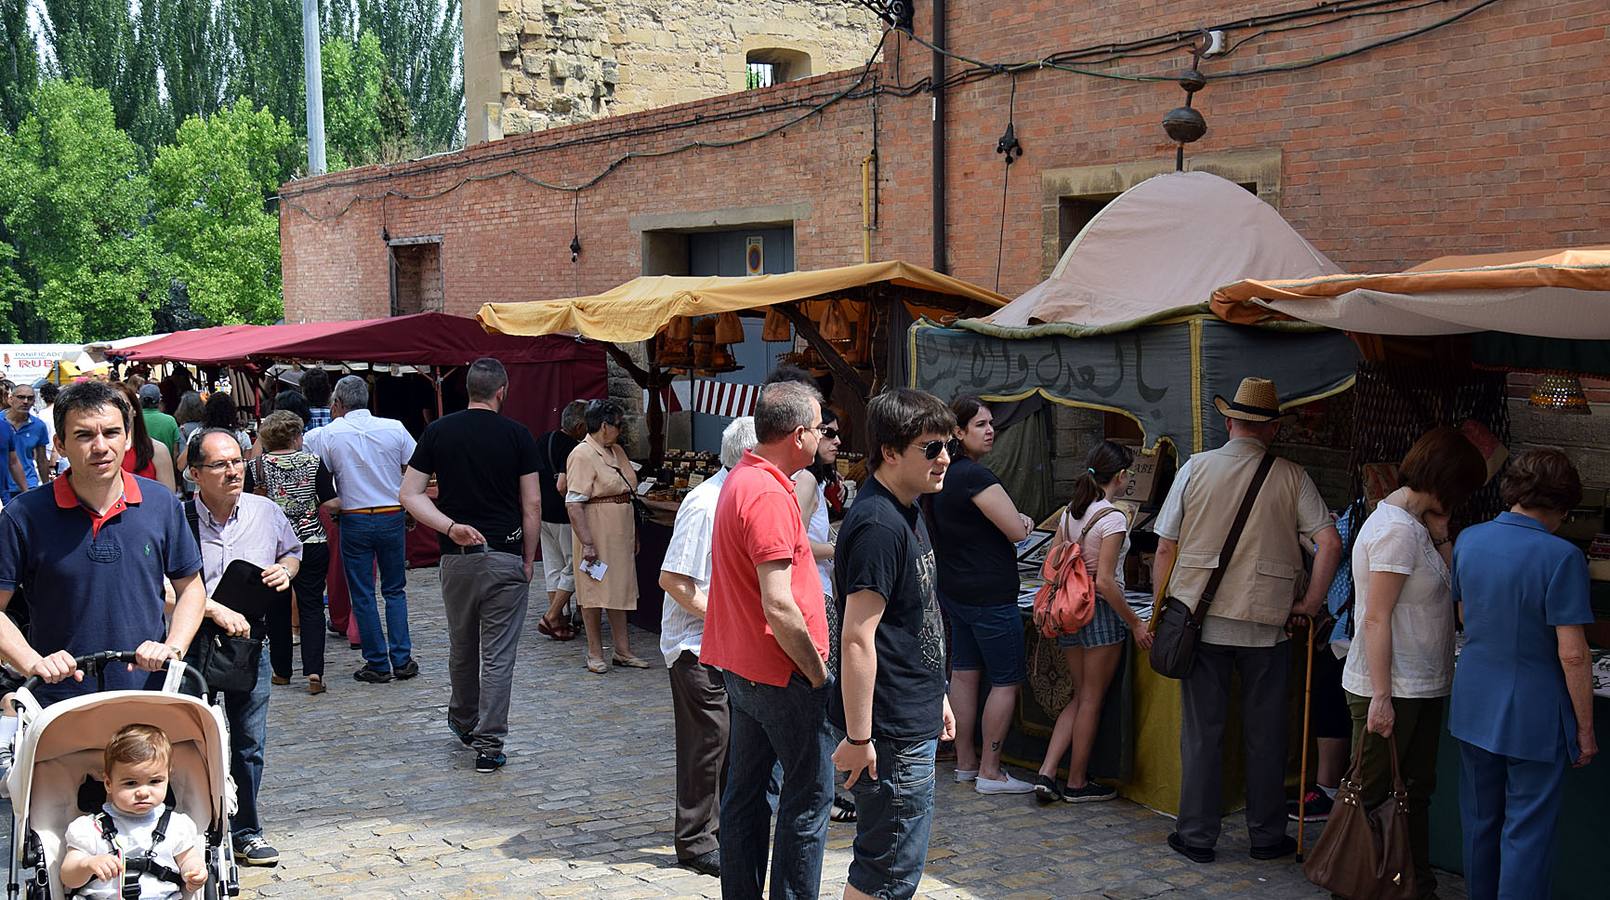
column 1365, row 854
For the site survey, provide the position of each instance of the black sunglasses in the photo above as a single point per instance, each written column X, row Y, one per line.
column 830, row 433
column 932, row 449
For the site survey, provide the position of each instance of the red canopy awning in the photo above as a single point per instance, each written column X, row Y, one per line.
column 425, row 339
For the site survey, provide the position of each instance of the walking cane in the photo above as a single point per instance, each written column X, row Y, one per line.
column 1302, row 771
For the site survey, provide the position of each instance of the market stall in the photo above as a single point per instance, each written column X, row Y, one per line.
column 846, row 323
column 1441, row 335
column 544, row 373
column 1122, row 326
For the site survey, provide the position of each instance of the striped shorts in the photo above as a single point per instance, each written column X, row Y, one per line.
column 1104, row 630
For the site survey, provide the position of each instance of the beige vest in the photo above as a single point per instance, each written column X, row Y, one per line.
column 1261, row 581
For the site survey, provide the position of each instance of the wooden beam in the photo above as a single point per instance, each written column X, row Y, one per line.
column 840, row 367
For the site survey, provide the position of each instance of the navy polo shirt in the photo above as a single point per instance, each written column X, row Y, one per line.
column 95, row 582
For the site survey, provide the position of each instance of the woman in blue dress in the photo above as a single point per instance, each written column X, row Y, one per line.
column 1522, row 692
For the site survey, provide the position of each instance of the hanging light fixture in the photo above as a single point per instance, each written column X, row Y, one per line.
column 776, row 328
column 729, row 329
column 835, row 325
column 1560, row 393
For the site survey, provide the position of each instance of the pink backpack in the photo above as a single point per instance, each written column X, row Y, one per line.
column 1067, row 600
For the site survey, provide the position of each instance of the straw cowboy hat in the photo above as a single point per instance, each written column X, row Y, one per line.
column 1255, row 401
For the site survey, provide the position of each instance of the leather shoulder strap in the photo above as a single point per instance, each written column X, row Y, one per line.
column 1097, row 518
column 1234, row 537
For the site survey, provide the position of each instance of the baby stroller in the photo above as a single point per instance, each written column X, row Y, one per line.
column 59, row 754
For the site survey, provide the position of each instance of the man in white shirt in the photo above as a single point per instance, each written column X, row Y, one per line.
column 698, row 693
column 367, row 454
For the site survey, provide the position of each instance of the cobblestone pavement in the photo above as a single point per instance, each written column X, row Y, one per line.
column 367, row 795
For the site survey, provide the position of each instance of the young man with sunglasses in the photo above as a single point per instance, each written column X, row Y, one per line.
column 891, row 704
column 766, row 629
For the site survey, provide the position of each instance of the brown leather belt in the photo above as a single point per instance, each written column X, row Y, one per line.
column 371, row 511
column 612, row 498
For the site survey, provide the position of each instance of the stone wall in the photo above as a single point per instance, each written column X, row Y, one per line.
column 559, row 62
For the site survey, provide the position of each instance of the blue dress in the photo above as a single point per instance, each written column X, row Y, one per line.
column 1517, row 582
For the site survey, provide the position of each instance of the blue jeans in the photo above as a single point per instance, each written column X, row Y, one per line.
column 771, row 726
column 366, row 539
column 894, row 816
column 248, row 727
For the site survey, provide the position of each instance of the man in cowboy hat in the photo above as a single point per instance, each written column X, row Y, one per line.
column 1245, row 627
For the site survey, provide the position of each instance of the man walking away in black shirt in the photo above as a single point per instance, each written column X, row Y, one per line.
column 558, row 570
column 487, row 510
column 891, row 704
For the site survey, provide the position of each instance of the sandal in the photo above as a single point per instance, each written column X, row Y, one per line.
column 843, row 810
column 560, row 632
column 629, row 662
column 315, row 684
column 597, row 666
column 279, row 679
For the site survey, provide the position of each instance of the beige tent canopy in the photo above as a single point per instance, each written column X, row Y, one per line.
column 1157, row 251
column 1544, row 293
column 638, row 309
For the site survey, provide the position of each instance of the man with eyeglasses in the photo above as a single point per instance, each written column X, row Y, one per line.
column 766, row 629
column 29, row 439
column 98, row 545
column 230, row 525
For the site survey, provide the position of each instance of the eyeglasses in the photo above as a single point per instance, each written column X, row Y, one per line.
column 932, row 449
column 223, row 465
column 830, row 433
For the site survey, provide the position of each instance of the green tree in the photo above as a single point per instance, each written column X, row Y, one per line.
column 265, row 37
column 112, row 45
column 193, row 47
column 420, row 40
column 76, row 200
column 19, row 72
column 211, row 220
column 365, row 116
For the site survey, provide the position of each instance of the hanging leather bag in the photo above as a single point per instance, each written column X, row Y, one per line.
column 1179, row 628
column 1365, row 854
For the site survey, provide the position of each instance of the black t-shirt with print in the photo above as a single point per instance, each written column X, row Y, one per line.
column 883, row 546
column 552, row 451
column 478, row 457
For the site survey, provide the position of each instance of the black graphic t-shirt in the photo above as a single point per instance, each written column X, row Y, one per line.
column 884, row 547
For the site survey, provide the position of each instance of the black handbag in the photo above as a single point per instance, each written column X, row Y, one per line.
column 228, row 663
column 1179, row 628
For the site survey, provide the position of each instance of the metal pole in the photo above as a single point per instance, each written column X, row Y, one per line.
column 312, row 71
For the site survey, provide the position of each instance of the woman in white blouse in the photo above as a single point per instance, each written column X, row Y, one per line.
column 1400, row 669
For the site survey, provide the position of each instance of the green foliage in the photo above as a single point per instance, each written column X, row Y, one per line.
column 103, row 44
column 420, row 40
column 14, row 293
column 365, row 115
column 75, row 200
column 265, row 41
column 19, row 71
column 211, row 222
column 193, row 47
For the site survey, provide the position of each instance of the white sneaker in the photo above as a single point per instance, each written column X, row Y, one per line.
column 1007, row 785
column 965, row 775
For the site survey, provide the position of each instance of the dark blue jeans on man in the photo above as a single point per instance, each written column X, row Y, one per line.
column 893, row 818
column 368, row 539
column 771, row 726
column 248, row 728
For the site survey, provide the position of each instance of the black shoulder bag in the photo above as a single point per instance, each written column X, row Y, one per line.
column 229, row 663
column 1179, row 629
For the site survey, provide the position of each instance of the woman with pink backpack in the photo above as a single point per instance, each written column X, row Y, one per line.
column 1092, row 653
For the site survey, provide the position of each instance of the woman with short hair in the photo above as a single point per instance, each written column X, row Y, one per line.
column 1523, row 691
column 1400, row 666
column 599, row 484
column 300, row 485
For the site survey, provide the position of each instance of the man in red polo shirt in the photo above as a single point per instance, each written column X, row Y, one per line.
column 92, row 552
column 766, row 628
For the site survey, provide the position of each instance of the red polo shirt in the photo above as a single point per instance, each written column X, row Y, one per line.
column 757, row 521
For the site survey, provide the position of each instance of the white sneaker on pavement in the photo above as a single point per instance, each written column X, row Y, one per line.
column 1007, row 785
column 965, row 775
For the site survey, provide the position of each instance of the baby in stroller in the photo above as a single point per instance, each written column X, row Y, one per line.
column 136, row 846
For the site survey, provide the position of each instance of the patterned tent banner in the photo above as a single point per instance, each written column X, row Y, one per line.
column 720, row 398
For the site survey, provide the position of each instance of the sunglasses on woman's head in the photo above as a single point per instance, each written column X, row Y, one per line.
column 931, row 449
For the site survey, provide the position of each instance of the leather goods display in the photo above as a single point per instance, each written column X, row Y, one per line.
column 1365, row 854
column 1179, row 628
